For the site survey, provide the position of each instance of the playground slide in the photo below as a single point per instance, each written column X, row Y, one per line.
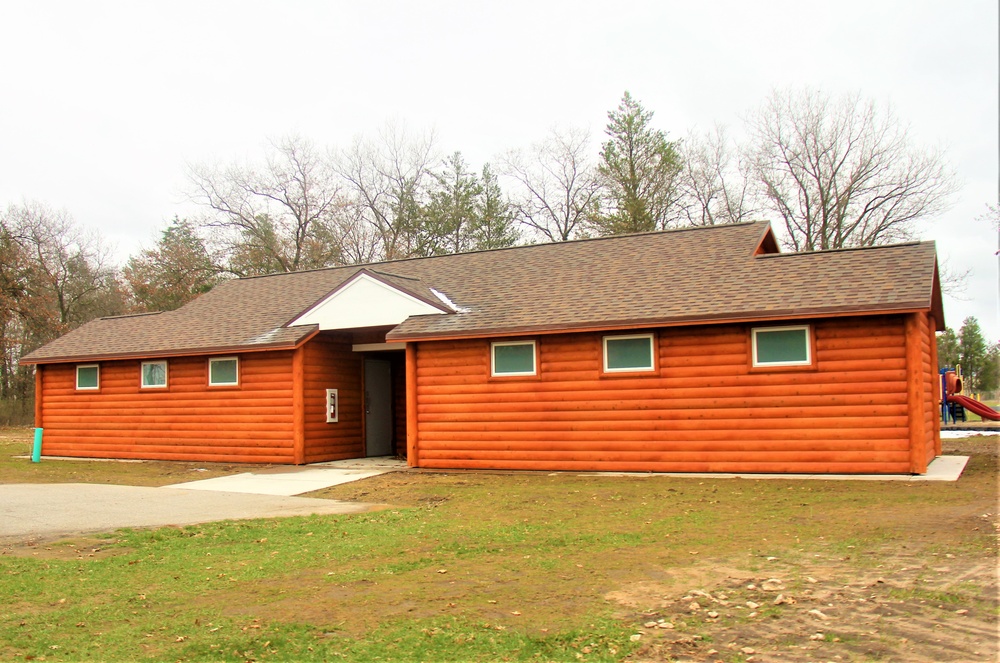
column 972, row 405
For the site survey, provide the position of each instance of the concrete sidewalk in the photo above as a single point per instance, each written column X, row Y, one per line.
column 942, row 468
column 291, row 480
column 45, row 511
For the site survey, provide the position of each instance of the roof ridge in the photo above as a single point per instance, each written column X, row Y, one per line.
column 129, row 315
column 845, row 249
column 395, row 276
column 519, row 247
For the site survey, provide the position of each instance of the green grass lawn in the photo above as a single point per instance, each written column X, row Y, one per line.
column 15, row 449
column 533, row 567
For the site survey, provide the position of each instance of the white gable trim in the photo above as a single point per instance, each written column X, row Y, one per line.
column 364, row 301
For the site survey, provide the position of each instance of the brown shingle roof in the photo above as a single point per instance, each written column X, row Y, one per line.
column 667, row 278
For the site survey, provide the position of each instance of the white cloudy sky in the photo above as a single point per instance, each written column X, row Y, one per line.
column 103, row 103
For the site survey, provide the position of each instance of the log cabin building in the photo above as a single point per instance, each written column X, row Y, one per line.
column 693, row 350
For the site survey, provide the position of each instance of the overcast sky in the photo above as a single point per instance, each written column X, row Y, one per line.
column 103, row 104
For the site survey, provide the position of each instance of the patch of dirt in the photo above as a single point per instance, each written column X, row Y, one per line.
column 911, row 608
column 77, row 548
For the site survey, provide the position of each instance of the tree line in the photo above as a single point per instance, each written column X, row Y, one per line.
column 830, row 172
column 978, row 358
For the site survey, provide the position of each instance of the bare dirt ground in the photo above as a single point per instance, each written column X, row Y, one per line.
column 908, row 609
column 907, row 603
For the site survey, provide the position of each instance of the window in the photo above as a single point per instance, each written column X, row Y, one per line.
column 153, row 374
column 628, row 353
column 223, row 372
column 88, row 377
column 513, row 358
column 781, row 346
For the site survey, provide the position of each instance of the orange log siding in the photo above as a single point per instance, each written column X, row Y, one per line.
column 189, row 420
column 703, row 410
column 331, row 364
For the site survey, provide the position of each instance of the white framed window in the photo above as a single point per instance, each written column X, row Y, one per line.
column 626, row 354
column 332, row 406
column 88, row 377
column 512, row 359
column 153, row 374
column 223, row 372
column 781, row 346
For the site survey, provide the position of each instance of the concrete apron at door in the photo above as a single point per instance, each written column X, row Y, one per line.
column 290, row 481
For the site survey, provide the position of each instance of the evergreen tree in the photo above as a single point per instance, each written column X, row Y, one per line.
column 465, row 213
column 175, row 271
column 948, row 352
column 448, row 220
column 989, row 378
column 496, row 223
column 639, row 169
column 973, row 352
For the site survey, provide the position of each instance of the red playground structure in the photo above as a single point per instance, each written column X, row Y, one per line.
column 955, row 403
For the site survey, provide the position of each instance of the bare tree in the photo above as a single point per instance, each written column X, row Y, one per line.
column 559, row 186
column 69, row 278
column 388, row 178
column 278, row 216
column 841, row 172
column 715, row 180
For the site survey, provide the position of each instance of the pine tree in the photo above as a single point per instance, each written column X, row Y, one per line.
column 496, row 222
column 639, row 169
column 973, row 352
column 175, row 271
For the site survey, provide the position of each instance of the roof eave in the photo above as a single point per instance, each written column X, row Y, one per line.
column 642, row 323
column 160, row 354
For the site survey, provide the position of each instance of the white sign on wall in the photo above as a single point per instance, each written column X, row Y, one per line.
column 332, row 406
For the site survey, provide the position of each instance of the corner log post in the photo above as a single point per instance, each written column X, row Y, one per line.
column 412, row 450
column 914, row 394
column 298, row 406
column 935, row 385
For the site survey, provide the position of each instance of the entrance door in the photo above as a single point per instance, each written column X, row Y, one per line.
column 378, row 407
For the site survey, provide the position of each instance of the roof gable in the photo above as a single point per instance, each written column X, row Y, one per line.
column 367, row 299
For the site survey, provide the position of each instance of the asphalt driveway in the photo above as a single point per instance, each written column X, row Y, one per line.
column 46, row 511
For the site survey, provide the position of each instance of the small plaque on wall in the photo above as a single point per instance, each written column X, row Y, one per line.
column 332, row 406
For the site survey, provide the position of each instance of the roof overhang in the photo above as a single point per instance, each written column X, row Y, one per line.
column 181, row 352
column 760, row 317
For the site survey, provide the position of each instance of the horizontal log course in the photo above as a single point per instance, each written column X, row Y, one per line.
column 657, row 410
column 862, row 354
column 647, row 456
column 598, row 444
column 179, row 407
column 859, row 342
column 174, row 449
column 653, row 399
column 675, row 351
column 707, row 377
column 751, row 380
column 232, row 457
column 676, row 363
column 157, row 421
column 459, row 370
column 668, row 424
column 697, row 341
column 890, row 391
column 647, row 431
column 846, row 365
column 110, row 429
column 739, row 467
column 828, row 331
